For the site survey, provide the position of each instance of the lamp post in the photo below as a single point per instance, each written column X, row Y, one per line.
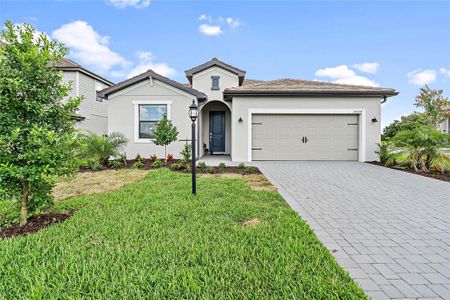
column 193, row 114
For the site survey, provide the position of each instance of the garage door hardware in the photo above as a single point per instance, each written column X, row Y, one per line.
column 352, row 149
column 256, row 123
column 304, row 139
column 256, row 148
column 352, row 124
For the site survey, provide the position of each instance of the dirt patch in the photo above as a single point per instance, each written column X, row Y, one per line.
column 257, row 182
column 251, row 223
column 435, row 175
column 35, row 224
column 87, row 183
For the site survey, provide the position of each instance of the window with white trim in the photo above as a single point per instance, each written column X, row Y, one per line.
column 149, row 116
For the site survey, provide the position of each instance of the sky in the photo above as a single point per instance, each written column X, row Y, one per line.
column 396, row 44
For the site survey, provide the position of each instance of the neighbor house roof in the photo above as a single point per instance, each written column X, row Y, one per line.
column 66, row 64
column 295, row 87
column 145, row 76
column 215, row 62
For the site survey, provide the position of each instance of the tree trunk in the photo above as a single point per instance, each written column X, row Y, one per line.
column 24, row 204
column 165, row 155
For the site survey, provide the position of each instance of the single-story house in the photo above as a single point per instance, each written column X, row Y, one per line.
column 285, row 119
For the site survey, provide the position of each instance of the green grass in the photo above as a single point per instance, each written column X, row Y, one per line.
column 152, row 239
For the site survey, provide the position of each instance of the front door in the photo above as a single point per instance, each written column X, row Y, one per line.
column 216, row 131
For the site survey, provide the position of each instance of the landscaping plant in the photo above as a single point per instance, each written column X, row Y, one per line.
column 138, row 164
column 138, row 158
column 434, row 105
column 201, row 165
column 153, row 157
column 186, row 153
column 157, row 164
column 169, row 157
column 222, row 166
column 241, row 166
column 37, row 136
column 102, row 147
column 164, row 134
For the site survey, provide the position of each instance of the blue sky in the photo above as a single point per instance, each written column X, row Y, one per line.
column 391, row 44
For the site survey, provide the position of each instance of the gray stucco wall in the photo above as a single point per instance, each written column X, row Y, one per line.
column 122, row 118
column 445, row 126
column 370, row 108
column 202, row 82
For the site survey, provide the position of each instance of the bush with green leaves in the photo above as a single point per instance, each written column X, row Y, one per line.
column 209, row 169
column 177, row 166
column 222, row 166
column 250, row 169
column 164, row 134
column 116, row 163
column 157, row 164
column 138, row 164
column 241, row 166
column 37, row 137
column 424, row 147
column 102, row 147
column 139, row 158
column 386, row 154
column 186, row 153
column 201, row 165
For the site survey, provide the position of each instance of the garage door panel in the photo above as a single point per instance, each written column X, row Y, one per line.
column 330, row 137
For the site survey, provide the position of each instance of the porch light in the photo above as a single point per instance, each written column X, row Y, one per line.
column 193, row 111
column 374, row 120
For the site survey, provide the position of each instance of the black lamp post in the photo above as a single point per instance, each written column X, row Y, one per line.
column 193, row 114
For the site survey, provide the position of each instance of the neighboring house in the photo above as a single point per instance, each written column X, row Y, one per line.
column 445, row 125
column 282, row 119
column 92, row 113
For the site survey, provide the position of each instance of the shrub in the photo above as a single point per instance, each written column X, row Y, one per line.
column 201, row 165
column 241, row 166
column 116, row 163
column 250, row 169
column 387, row 157
column 177, row 166
column 94, row 165
column 209, row 169
column 188, row 168
column 123, row 158
column 222, row 166
column 157, row 164
column 169, row 157
column 186, row 153
column 138, row 165
column 153, row 157
column 138, row 158
column 102, row 147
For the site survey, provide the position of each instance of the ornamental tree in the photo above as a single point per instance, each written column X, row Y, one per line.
column 37, row 136
column 434, row 105
column 164, row 134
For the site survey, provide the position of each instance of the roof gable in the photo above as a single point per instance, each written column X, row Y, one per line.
column 215, row 62
column 154, row 76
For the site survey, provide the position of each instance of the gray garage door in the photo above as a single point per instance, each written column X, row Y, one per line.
column 305, row 137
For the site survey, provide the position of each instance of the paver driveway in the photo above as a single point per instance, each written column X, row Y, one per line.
column 389, row 229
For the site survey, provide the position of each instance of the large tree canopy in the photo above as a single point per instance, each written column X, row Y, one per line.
column 37, row 133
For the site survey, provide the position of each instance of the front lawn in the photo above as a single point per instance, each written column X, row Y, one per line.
column 152, row 239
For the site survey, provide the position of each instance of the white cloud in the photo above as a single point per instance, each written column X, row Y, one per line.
column 368, row 67
column 344, row 75
column 445, row 72
column 133, row 3
column 421, row 77
column 89, row 47
column 205, row 18
column 233, row 22
column 146, row 62
column 210, row 30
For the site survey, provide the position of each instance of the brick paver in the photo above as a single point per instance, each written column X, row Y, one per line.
column 390, row 229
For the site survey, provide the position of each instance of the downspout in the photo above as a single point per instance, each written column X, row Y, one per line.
column 384, row 99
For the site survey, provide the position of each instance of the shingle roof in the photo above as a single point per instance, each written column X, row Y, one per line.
column 215, row 62
column 145, row 76
column 304, row 87
column 66, row 64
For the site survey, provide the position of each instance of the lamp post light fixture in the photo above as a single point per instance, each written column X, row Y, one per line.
column 193, row 114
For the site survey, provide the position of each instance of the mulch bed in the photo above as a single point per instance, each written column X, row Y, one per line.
column 148, row 166
column 35, row 224
column 439, row 176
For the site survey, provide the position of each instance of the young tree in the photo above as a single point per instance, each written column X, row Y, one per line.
column 164, row 134
column 37, row 135
column 434, row 105
column 408, row 122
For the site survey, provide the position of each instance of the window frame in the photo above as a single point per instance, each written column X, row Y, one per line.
column 213, row 86
column 137, row 120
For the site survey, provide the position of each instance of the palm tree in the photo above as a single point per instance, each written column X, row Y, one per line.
column 102, row 147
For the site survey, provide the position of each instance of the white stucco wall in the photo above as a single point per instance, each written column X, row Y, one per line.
column 368, row 108
column 122, row 118
column 202, row 82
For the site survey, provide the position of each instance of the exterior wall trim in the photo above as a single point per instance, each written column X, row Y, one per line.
column 356, row 111
column 136, row 104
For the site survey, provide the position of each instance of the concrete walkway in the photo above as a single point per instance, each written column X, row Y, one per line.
column 389, row 229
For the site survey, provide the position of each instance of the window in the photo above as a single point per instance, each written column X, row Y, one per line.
column 149, row 116
column 215, row 83
column 98, row 87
